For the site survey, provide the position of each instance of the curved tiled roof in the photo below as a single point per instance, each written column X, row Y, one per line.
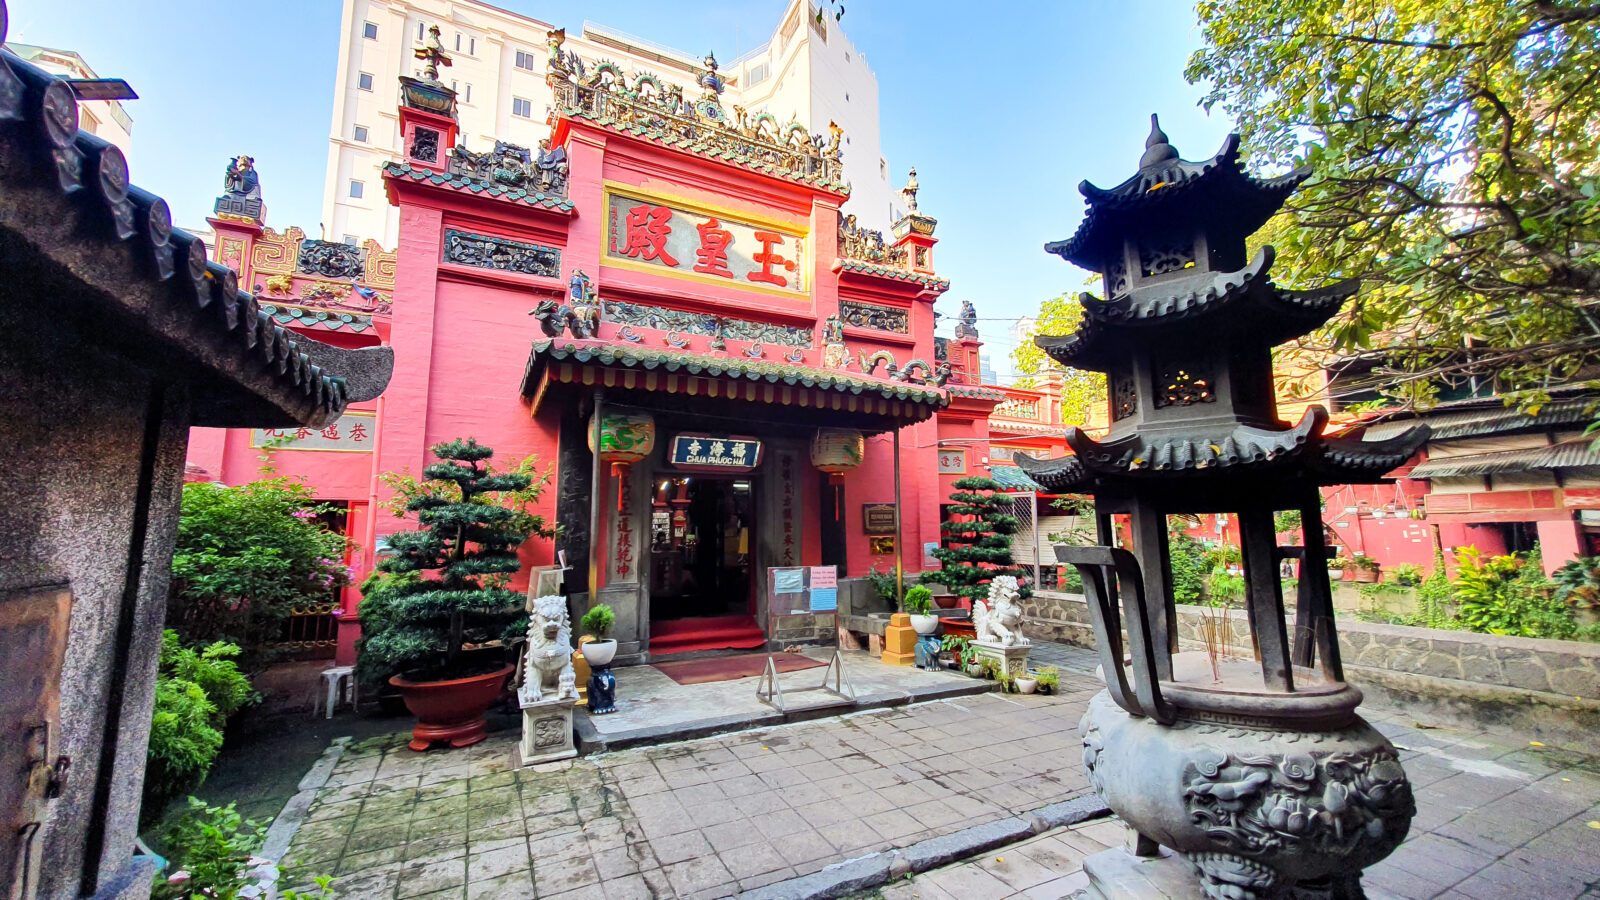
column 1164, row 179
column 737, row 368
column 106, row 252
column 1136, row 457
column 861, row 266
column 1267, row 313
column 468, row 184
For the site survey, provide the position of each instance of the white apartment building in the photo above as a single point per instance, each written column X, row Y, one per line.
column 807, row 70
column 105, row 119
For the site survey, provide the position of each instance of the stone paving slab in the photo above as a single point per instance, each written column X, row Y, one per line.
column 654, row 709
column 1498, row 819
column 705, row 818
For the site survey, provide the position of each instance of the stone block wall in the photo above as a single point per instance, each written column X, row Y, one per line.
column 1549, row 689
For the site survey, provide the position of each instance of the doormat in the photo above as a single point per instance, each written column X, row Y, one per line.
column 728, row 668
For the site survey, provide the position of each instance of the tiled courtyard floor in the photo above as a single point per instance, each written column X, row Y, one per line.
column 1499, row 818
column 702, row 818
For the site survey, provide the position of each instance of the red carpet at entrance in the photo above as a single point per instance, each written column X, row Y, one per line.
column 705, row 633
column 727, row 668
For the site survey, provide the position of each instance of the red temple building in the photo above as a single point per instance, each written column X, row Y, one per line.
column 759, row 362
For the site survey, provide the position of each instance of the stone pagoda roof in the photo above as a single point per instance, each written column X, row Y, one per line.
column 1341, row 459
column 1207, row 303
column 1219, row 185
column 122, row 280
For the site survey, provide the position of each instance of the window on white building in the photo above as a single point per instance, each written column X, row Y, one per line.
column 883, row 168
column 522, row 107
column 759, row 74
column 364, row 81
column 360, row 134
column 358, row 189
column 526, row 60
column 369, row 30
column 464, row 91
column 466, row 44
column 422, row 31
column 350, row 240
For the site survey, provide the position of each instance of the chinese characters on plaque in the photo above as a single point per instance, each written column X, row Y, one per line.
column 952, row 462
column 786, row 507
column 704, row 451
column 353, row 432
column 703, row 244
column 623, row 549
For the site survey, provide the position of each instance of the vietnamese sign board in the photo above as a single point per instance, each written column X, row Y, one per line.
column 720, row 453
column 354, row 432
column 877, row 518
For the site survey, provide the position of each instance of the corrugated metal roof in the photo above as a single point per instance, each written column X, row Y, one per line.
column 1572, row 454
column 1494, row 420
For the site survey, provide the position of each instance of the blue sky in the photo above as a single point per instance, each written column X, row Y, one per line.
column 1002, row 107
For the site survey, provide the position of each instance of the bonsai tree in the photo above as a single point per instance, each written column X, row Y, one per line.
column 597, row 622
column 445, row 586
column 919, row 600
column 977, row 541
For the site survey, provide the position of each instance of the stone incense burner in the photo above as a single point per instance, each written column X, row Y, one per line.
column 1249, row 766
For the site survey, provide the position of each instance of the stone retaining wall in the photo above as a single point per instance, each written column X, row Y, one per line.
column 1545, row 688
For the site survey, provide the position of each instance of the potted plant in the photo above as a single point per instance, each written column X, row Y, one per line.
column 1026, row 683
column 1339, row 567
column 954, row 647
column 919, row 604
column 1365, row 567
column 439, row 628
column 597, row 624
column 1049, row 679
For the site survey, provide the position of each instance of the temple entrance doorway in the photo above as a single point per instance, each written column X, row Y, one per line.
column 702, row 563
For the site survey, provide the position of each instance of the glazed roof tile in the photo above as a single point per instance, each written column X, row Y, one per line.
column 864, row 267
column 468, row 184
column 1568, row 455
column 1164, row 181
column 1337, row 460
column 770, row 371
column 1011, row 478
column 1499, row 419
column 110, row 251
column 1251, row 302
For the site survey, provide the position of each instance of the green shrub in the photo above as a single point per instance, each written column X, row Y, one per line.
column 919, row 600
column 1224, row 588
column 1509, row 595
column 1189, row 567
column 598, row 621
column 975, row 542
column 1406, row 575
column 209, row 852
column 245, row 557
column 458, row 565
column 1578, row 583
column 196, row 692
column 1434, row 598
column 883, row 584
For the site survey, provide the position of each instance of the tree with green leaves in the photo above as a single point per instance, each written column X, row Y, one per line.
column 1081, row 391
column 977, row 540
column 1456, row 171
column 445, row 586
column 245, row 558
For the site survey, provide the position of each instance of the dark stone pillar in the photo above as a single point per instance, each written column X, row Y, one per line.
column 574, row 485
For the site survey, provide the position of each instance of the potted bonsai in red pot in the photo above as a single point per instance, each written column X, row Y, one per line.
column 437, row 621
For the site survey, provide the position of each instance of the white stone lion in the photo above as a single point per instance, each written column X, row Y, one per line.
column 548, row 664
column 1000, row 619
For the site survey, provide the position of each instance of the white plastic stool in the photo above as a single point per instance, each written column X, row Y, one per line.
column 338, row 682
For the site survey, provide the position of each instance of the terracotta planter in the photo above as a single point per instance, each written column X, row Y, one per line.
column 1349, row 575
column 450, row 711
column 946, row 601
column 1366, row 576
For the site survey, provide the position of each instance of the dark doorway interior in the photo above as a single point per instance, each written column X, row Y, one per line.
column 701, row 537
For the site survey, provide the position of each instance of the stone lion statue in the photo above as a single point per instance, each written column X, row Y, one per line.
column 1000, row 619
column 547, row 668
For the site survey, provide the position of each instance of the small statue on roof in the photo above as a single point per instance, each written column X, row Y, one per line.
column 967, row 326
column 432, row 55
column 711, row 81
column 241, row 180
column 835, row 135
column 909, row 192
column 550, row 168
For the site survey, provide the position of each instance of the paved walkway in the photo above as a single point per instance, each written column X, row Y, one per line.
column 704, row 818
column 709, row 818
